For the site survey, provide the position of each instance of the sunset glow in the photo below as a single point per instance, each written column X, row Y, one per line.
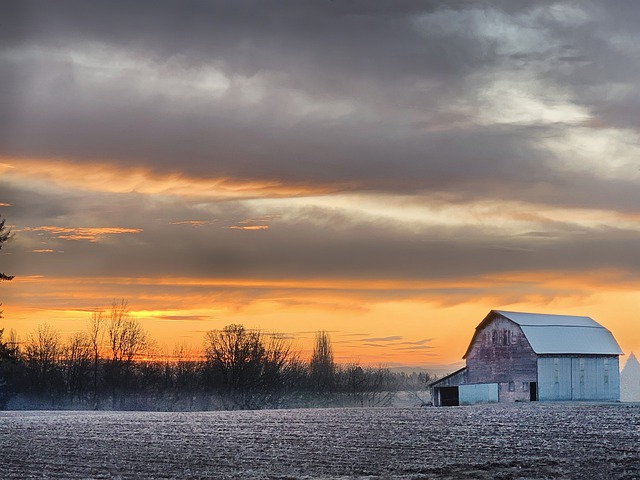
column 388, row 174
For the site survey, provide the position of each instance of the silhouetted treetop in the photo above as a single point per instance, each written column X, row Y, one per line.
column 5, row 234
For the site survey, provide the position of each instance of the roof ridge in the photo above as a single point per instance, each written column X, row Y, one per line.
column 560, row 325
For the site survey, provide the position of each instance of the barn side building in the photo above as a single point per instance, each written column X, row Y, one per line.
column 517, row 356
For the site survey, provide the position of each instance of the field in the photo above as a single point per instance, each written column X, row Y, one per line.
column 518, row 441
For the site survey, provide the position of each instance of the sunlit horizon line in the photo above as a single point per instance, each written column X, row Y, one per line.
column 617, row 277
column 105, row 177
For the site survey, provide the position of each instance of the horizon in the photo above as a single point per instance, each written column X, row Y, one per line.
column 386, row 172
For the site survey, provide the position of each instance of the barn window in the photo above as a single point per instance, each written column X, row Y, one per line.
column 494, row 337
column 606, row 370
column 512, row 387
column 525, row 386
column 505, row 335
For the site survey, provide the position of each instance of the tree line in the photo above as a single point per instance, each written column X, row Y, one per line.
column 109, row 366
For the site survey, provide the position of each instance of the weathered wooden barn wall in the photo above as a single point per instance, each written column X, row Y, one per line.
column 500, row 353
column 578, row 378
column 454, row 379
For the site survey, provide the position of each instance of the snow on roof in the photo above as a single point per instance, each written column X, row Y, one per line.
column 564, row 334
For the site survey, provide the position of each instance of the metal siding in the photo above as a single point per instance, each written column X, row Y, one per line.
column 578, row 378
column 554, row 378
column 478, row 393
column 605, row 384
column 614, row 379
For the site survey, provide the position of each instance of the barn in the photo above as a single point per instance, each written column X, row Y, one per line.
column 522, row 357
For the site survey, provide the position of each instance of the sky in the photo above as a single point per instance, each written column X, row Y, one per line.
column 386, row 171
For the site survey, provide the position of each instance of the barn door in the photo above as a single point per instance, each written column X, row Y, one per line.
column 533, row 391
column 449, row 397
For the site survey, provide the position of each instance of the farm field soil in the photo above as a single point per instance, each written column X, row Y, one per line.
column 533, row 441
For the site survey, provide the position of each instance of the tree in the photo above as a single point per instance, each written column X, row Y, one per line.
column 95, row 335
column 235, row 355
column 127, row 340
column 247, row 365
column 42, row 355
column 185, row 372
column 5, row 235
column 76, row 363
column 322, row 367
column 11, row 368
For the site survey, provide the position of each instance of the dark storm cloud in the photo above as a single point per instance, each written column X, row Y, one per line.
column 357, row 92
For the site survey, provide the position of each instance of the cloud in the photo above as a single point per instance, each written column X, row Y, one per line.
column 383, row 339
column 324, row 95
column 179, row 318
column 90, row 234
column 192, row 223
column 249, row 227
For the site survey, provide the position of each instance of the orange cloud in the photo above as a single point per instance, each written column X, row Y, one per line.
column 193, row 223
column 104, row 177
column 249, row 227
column 91, row 234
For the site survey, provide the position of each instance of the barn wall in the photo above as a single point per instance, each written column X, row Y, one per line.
column 452, row 380
column 579, row 378
column 478, row 393
column 500, row 353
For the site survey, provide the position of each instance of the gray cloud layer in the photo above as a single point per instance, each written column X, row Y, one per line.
column 384, row 94
column 474, row 100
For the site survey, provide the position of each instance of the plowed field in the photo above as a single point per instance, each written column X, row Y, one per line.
column 518, row 441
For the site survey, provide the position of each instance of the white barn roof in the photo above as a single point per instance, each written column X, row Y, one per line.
column 563, row 334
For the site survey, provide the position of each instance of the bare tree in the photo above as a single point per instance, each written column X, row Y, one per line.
column 5, row 235
column 76, row 362
column 366, row 387
column 127, row 339
column 247, row 365
column 236, row 356
column 322, row 367
column 95, row 335
column 42, row 354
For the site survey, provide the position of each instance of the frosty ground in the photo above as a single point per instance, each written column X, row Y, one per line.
column 516, row 441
